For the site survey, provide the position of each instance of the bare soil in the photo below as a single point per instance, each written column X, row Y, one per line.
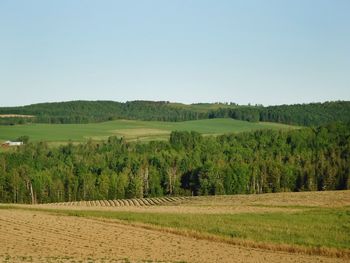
column 31, row 236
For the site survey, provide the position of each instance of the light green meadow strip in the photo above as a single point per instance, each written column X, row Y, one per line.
column 131, row 130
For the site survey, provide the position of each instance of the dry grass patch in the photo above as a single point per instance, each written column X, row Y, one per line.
column 41, row 236
column 311, row 226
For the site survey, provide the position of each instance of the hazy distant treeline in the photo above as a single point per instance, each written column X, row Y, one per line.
column 313, row 114
column 98, row 111
column 188, row 164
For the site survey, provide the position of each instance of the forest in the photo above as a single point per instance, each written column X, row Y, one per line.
column 312, row 114
column 99, row 111
column 307, row 159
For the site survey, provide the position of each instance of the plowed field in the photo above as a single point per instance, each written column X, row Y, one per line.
column 30, row 236
column 192, row 229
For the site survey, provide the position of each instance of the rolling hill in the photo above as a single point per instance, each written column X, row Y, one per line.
column 129, row 129
column 312, row 114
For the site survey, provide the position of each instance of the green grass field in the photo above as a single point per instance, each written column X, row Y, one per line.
column 130, row 129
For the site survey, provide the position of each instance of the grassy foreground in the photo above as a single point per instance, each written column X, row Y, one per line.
column 131, row 130
column 320, row 227
column 312, row 223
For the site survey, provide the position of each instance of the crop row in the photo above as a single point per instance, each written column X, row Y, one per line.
column 125, row 202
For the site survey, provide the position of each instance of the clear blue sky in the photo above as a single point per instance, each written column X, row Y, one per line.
column 263, row 51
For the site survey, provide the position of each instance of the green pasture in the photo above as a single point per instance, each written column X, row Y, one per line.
column 130, row 129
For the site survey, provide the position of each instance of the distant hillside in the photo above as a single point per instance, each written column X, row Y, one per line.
column 97, row 111
column 312, row 114
column 130, row 130
column 308, row 114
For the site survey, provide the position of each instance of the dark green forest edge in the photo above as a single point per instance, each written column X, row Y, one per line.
column 313, row 114
column 188, row 164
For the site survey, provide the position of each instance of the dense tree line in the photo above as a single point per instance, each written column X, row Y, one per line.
column 98, row 111
column 15, row 120
column 313, row 114
column 188, row 164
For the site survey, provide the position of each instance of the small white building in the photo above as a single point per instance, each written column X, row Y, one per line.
column 10, row 144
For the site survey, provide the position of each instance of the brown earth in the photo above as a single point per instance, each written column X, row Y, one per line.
column 32, row 236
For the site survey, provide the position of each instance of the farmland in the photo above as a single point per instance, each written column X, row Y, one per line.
column 129, row 129
column 283, row 227
column 174, row 131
